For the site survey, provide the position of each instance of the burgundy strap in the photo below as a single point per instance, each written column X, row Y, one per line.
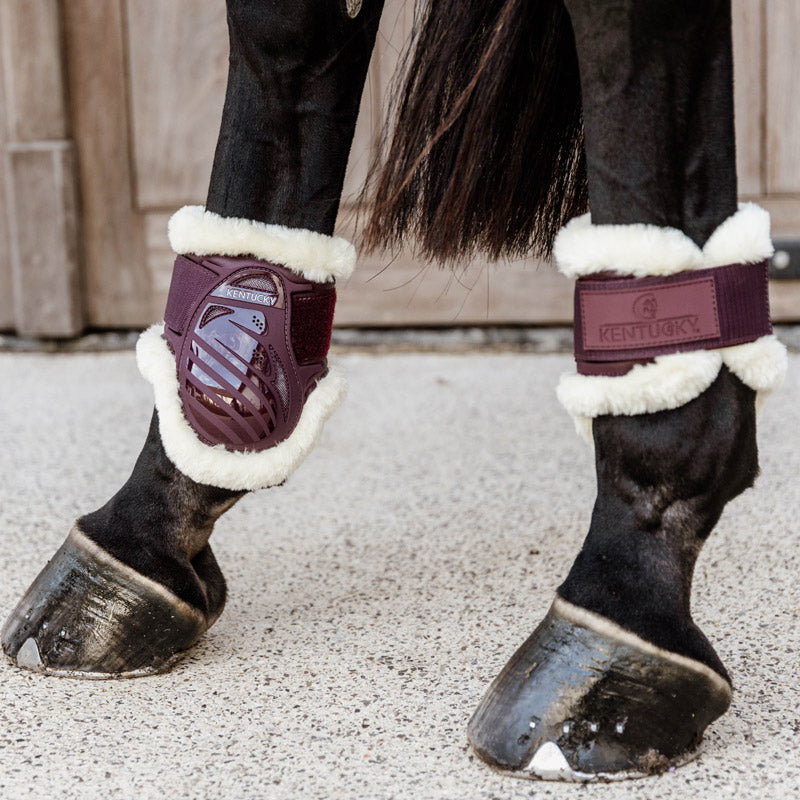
column 620, row 322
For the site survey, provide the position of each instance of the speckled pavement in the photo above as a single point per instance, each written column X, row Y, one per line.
column 374, row 597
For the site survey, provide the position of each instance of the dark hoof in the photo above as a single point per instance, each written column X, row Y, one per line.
column 88, row 615
column 584, row 699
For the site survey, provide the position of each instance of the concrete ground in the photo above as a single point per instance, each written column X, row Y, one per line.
column 374, row 597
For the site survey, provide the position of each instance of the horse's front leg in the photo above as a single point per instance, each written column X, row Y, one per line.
column 618, row 679
column 239, row 369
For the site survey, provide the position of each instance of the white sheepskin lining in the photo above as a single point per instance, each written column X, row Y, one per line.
column 217, row 466
column 672, row 380
column 642, row 250
column 316, row 257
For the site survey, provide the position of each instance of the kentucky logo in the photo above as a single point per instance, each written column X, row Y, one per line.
column 625, row 319
column 647, row 332
column 646, row 306
column 250, row 297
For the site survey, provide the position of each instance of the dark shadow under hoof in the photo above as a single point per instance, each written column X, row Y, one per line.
column 584, row 699
column 88, row 615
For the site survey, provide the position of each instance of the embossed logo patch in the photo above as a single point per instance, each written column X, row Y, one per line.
column 646, row 306
column 625, row 319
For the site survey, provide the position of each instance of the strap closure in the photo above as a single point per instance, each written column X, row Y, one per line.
column 620, row 322
column 191, row 281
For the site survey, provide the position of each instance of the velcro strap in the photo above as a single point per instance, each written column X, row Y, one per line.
column 312, row 325
column 620, row 322
column 191, row 281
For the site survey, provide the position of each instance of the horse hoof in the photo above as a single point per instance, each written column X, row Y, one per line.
column 584, row 699
column 88, row 615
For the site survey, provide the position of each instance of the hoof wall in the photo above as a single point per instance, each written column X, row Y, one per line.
column 88, row 615
column 584, row 700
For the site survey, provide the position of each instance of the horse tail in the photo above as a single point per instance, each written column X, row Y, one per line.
column 486, row 151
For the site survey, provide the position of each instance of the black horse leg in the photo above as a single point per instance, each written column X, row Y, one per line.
column 136, row 581
column 297, row 71
column 657, row 95
column 660, row 150
column 618, row 679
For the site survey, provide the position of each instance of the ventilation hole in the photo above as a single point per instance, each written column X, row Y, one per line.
column 203, row 399
column 270, row 423
column 260, row 283
column 258, row 361
column 212, row 312
column 258, row 403
column 281, row 384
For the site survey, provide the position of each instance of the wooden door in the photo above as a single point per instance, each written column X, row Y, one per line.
column 125, row 132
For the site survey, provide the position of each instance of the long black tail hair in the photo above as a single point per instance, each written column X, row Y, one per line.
column 485, row 150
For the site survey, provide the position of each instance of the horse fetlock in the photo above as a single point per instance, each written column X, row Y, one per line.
column 134, row 584
column 159, row 524
column 657, row 317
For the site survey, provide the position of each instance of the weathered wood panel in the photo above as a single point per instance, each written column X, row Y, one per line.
column 41, row 180
column 784, row 298
column 6, row 290
column 406, row 292
column 116, row 281
column 783, row 110
column 785, row 213
column 44, row 237
column 178, row 58
column 748, row 55
column 159, row 262
column 364, row 142
column 393, row 34
column 30, row 40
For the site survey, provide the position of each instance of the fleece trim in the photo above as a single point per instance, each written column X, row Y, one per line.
column 671, row 381
column 761, row 365
column 318, row 258
column 217, row 466
column 640, row 250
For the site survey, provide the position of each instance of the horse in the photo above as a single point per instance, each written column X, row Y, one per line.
column 600, row 132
